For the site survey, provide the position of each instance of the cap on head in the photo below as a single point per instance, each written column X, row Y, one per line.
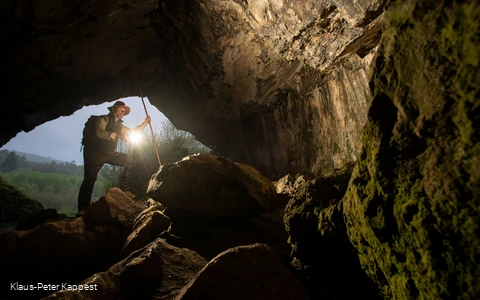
column 120, row 103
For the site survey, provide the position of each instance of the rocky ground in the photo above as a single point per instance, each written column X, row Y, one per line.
column 212, row 229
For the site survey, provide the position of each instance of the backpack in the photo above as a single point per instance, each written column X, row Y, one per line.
column 89, row 131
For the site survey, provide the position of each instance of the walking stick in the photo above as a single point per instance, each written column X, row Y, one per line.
column 151, row 130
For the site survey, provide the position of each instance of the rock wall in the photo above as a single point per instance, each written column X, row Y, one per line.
column 276, row 85
column 413, row 205
column 315, row 128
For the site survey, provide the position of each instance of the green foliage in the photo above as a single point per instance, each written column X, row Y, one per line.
column 68, row 213
column 10, row 162
column 54, row 184
column 54, row 190
column 171, row 142
column 110, row 177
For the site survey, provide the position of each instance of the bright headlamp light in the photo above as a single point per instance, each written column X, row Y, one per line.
column 135, row 137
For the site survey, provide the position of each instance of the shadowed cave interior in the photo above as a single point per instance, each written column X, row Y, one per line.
column 347, row 161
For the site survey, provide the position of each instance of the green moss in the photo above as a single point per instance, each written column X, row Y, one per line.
column 412, row 206
column 459, row 47
column 336, row 148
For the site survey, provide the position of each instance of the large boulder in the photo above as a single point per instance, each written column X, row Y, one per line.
column 211, row 186
column 210, row 237
column 114, row 207
column 31, row 220
column 147, row 227
column 180, row 266
column 216, row 204
column 135, row 277
column 245, row 272
column 15, row 205
column 158, row 271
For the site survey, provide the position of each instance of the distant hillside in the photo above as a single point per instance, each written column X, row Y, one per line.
column 34, row 157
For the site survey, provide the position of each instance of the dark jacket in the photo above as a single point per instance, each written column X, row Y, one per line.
column 107, row 133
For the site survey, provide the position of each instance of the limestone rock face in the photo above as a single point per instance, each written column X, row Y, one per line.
column 280, row 85
column 412, row 208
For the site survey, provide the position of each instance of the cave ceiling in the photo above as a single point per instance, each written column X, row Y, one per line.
column 281, row 85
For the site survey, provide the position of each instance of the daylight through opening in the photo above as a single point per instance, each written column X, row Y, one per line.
column 47, row 163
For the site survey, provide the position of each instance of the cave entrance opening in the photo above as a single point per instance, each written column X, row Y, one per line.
column 47, row 163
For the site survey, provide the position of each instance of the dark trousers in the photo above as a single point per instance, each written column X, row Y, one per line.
column 93, row 161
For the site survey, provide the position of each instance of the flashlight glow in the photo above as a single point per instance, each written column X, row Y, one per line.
column 135, row 137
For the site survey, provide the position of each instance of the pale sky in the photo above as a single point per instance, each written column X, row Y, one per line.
column 60, row 139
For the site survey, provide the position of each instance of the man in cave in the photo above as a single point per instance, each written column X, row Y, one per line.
column 100, row 139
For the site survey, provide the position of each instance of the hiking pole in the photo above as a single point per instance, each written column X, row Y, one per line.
column 151, row 130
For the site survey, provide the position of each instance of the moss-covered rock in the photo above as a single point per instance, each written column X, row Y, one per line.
column 14, row 204
column 412, row 209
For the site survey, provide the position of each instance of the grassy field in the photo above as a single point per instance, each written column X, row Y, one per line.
column 68, row 213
